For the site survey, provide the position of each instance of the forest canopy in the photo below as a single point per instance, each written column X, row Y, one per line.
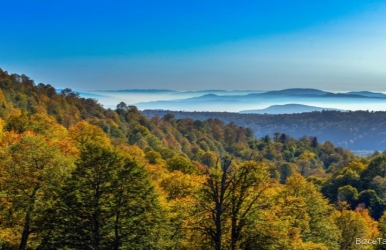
column 74, row 175
column 356, row 130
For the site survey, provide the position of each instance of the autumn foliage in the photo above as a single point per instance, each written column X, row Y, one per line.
column 74, row 175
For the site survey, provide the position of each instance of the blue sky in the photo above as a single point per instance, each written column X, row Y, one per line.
column 190, row 45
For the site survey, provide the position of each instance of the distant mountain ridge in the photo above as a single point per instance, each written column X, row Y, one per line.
column 283, row 92
column 235, row 103
column 214, row 100
column 368, row 94
column 296, row 91
column 286, row 109
column 142, row 91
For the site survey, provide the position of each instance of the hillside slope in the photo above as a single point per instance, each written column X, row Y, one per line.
column 355, row 130
column 74, row 175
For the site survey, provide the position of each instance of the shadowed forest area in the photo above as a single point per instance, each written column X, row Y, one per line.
column 74, row 175
column 354, row 130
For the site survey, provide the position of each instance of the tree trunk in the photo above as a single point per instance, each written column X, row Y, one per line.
column 218, row 234
column 27, row 220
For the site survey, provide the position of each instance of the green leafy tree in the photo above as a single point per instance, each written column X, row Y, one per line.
column 228, row 199
column 348, row 194
column 286, row 170
column 378, row 184
column 182, row 164
column 108, row 203
column 377, row 167
column 370, row 199
column 249, row 184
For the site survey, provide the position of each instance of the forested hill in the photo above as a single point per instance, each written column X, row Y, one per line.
column 74, row 175
column 355, row 130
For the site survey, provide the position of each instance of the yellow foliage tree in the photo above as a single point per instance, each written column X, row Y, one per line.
column 355, row 225
column 31, row 170
column 83, row 132
column 321, row 228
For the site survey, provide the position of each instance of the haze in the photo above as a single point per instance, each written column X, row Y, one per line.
column 180, row 45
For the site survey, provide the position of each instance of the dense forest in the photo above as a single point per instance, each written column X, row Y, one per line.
column 74, row 175
column 355, row 130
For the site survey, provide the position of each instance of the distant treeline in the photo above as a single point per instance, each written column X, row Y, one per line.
column 355, row 130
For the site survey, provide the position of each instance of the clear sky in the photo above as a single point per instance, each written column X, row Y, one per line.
column 189, row 45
